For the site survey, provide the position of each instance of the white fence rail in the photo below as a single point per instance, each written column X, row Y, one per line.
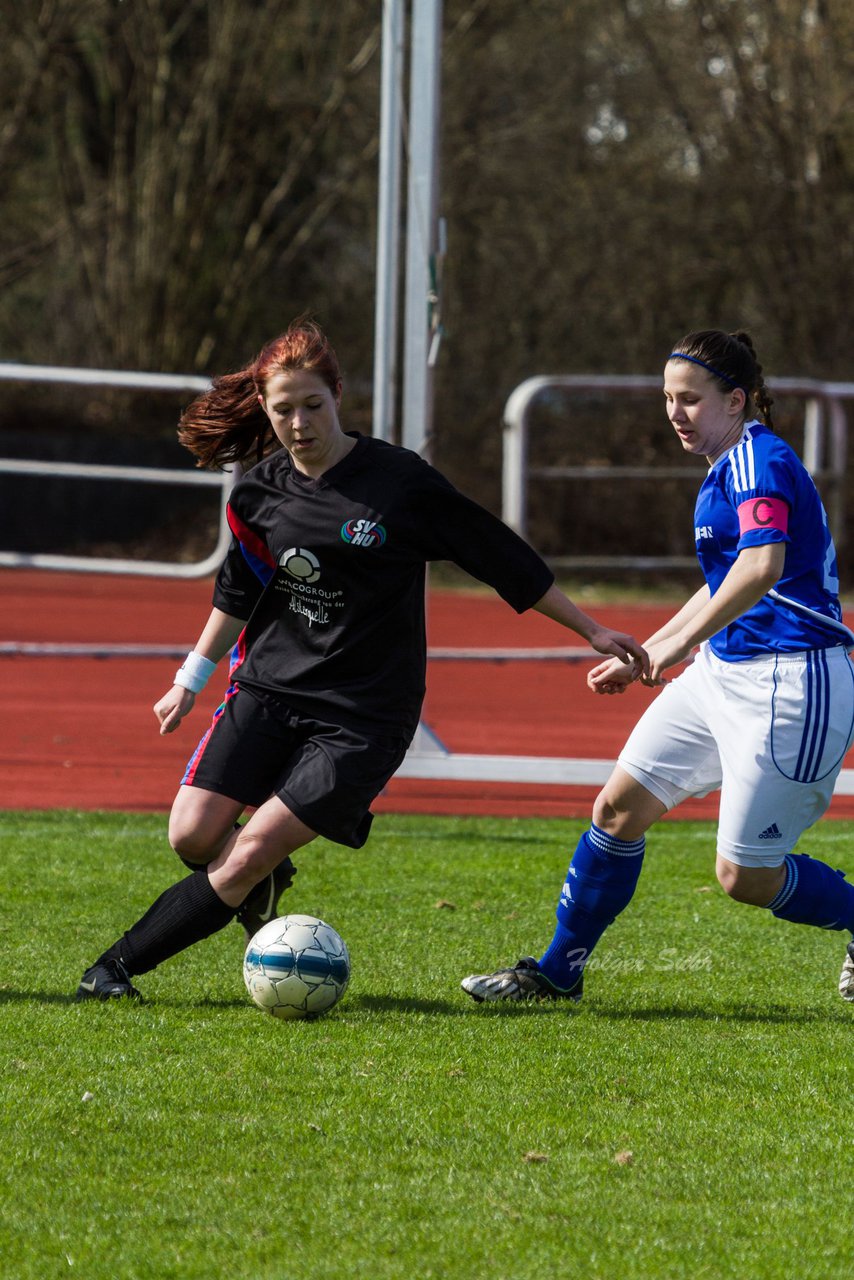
column 825, row 441
column 824, row 453
column 139, row 381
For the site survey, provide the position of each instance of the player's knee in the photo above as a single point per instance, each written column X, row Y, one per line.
column 192, row 844
column 756, row 886
column 617, row 819
column 252, row 857
column 624, row 808
column 189, row 849
column 255, row 854
column 728, row 879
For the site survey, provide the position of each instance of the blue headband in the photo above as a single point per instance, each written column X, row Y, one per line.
column 679, row 355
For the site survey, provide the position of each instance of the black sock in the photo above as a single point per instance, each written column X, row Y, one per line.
column 187, row 912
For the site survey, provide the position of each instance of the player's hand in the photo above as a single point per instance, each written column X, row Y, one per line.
column 663, row 654
column 613, row 676
column 172, row 708
column 623, row 647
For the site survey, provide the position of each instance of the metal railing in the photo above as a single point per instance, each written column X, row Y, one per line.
column 824, row 454
column 140, row 381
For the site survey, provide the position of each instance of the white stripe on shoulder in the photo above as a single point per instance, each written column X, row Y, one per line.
column 743, row 463
column 751, row 459
column 736, row 459
column 733, row 466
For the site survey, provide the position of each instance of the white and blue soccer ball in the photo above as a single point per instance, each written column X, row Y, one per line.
column 296, row 967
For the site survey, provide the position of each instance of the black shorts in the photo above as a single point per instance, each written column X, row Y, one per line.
column 327, row 775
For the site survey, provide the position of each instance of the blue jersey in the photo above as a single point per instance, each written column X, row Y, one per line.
column 760, row 492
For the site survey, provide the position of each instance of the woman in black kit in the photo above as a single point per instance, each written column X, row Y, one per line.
column 321, row 600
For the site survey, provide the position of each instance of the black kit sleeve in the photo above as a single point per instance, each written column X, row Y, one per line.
column 246, row 570
column 458, row 529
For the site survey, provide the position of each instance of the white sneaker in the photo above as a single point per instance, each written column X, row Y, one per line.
column 846, row 977
column 521, row 982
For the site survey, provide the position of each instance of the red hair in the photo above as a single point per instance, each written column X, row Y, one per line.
column 227, row 424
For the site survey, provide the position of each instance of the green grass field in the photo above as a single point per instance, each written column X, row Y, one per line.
column 687, row 1120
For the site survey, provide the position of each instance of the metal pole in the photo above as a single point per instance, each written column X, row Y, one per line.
column 388, row 221
column 421, row 223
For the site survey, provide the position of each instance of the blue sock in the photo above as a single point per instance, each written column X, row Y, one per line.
column 813, row 893
column 599, row 884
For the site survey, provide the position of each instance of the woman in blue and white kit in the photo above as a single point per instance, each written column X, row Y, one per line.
column 766, row 710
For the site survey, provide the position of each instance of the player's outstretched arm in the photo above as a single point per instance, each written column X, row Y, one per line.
column 557, row 606
column 754, row 572
column 614, row 677
column 218, row 638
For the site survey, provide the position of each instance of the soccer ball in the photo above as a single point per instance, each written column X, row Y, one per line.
column 296, row 967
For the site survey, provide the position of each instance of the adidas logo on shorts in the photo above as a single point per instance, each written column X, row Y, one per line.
column 771, row 833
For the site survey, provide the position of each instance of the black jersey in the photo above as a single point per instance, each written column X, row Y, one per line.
column 330, row 575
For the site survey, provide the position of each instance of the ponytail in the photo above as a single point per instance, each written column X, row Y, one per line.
column 731, row 359
column 762, row 397
column 227, row 424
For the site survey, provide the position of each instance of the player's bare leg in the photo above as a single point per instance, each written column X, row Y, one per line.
column 801, row 890
column 599, row 885
column 625, row 808
column 202, row 828
column 201, row 824
column 256, row 849
column 204, row 901
column 756, row 886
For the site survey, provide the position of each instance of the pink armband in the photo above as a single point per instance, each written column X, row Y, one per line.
column 763, row 513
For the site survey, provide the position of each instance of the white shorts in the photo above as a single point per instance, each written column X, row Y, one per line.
column 771, row 732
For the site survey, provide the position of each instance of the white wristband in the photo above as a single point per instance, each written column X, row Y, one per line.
column 194, row 672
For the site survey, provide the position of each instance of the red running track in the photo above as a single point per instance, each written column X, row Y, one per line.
column 80, row 733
